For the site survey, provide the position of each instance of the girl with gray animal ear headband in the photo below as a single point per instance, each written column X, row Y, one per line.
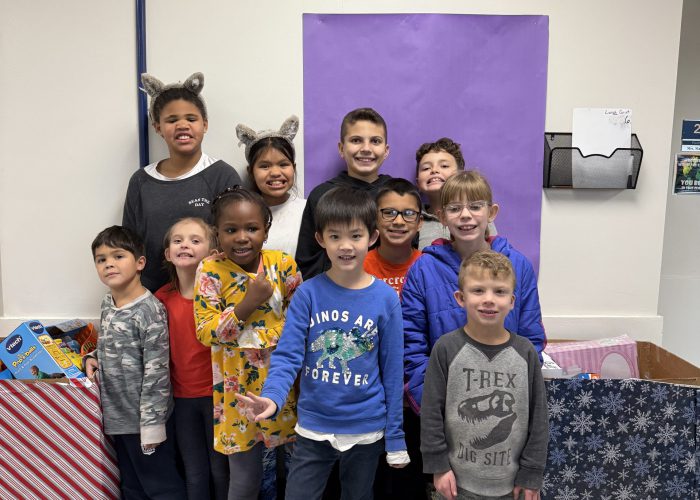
column 181, row 185
column 272, row 172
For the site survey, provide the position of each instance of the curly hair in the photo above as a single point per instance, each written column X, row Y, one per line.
column 176, row 94
column 444, row 144
column 238, row 193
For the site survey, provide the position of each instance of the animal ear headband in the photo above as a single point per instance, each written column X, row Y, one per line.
column 249, row 137
column 154, row 88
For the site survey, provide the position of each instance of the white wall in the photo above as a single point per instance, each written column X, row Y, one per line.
column 601, row 251
column 679, row 295
column 67, row 147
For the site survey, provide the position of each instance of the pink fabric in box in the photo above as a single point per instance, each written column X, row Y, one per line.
column 606, row 357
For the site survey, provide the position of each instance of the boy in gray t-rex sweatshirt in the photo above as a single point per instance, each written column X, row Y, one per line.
column 484, row 428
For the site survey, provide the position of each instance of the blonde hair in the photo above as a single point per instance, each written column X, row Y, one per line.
column 209, row 234
column 494, row 263
column 467, row 185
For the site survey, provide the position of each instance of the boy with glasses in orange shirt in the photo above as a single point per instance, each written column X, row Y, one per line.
column 398, row 220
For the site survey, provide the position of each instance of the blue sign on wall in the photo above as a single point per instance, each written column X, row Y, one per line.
column 690, row 138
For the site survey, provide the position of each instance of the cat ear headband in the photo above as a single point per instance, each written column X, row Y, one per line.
column 154, row 88
column 249, row 137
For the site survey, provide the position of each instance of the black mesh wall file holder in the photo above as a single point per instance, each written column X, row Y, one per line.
column 567, row 167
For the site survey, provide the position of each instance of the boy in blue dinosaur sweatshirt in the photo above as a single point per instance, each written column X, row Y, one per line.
column 343, row 336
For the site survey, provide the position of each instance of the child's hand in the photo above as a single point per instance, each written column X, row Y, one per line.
column 528, row 494
column 398, row 459
column 148, row 449
column 259, row 289
column 215, row 254
column 91, row 367
column 446, row 484
column 257, row 408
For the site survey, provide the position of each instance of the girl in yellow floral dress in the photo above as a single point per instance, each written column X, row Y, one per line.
column 240, row 303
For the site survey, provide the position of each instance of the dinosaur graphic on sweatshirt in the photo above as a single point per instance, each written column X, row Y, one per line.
column 337, row 344
column 491, row 416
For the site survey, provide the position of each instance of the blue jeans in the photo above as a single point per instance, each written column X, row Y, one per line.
column 148, row 476
column 312, row 462
column 206, row 470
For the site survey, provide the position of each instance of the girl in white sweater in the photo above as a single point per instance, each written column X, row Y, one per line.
column 272, row 170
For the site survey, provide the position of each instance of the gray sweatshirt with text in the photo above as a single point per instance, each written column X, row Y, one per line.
column 153, row 205
column 484, row 414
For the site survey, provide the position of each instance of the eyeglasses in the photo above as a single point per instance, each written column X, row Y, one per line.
column 391, row 214
column 473, row 207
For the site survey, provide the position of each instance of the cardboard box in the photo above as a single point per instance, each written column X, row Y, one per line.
column 610, row 358
column 30, row 353
column 656, row 363
column 631, row 438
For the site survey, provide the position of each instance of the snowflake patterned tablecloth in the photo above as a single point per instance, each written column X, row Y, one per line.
column 622, row 440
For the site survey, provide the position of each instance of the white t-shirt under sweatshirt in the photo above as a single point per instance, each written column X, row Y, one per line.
column 286, row 220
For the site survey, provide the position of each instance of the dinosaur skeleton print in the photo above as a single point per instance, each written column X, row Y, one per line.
column 488, row 401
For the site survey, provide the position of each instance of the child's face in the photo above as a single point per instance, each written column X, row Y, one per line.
column 347, row 245
column 393, row 210
column 364, row 149
column 274, row 175
column 467, row 220
column 182, row 127
column 188, row 245
column 241, row 231
column 486, row 299
column 434, row 169
column 116, row 267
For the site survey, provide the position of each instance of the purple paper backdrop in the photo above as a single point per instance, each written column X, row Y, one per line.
column 481, row 80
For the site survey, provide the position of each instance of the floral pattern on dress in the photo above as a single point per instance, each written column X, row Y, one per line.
column 241, row 353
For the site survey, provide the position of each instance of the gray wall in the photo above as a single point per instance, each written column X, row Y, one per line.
column 679, row 293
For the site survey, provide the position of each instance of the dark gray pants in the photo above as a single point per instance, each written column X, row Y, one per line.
column 245, row 469
column 194, row 432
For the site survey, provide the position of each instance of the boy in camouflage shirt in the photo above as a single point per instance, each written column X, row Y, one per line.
column 133, row 367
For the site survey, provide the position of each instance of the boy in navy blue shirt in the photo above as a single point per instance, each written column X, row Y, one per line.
column 344, row 332
column 363, row 147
